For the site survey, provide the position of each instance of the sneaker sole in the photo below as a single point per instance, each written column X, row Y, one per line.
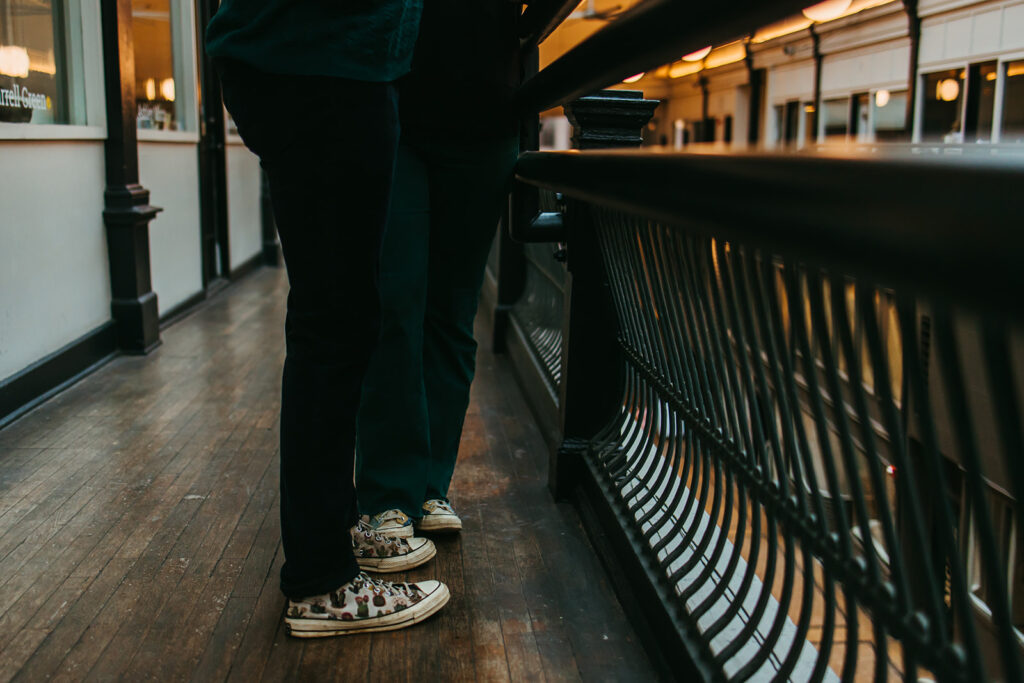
column 449, row 525
column 400, row 563
column 326, row 628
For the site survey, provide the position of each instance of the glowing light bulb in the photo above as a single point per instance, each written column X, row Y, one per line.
column 947, row 90
column 167, row 89
column 697, row 55
column 828, row 10
column 150, row 89
column 633, row 79
column 14, row 61
column 882, row 98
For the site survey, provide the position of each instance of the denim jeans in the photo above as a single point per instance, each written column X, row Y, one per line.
column 328, row 146
column 447, row 198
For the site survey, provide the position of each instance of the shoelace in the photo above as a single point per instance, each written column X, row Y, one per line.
column 384, row 587
column 367, row 531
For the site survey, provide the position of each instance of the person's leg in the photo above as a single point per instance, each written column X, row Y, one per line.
column 329, row 164
column 393, row 439
column 469, row 183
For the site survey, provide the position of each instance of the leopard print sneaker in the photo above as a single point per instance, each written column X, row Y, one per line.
column 390, row 523
column 377, row 552
column 364, row 605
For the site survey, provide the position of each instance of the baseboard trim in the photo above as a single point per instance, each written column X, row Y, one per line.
column 183, row 309
column 246, row 267
column 43, row 379
column 532, row 380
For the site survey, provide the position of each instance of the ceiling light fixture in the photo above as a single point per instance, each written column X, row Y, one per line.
column 828, row 10
column 697, row 55
column 947, row 90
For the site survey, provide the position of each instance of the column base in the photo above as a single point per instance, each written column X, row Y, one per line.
column 138, row 323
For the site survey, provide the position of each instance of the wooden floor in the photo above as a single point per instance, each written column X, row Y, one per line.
column 139, row 535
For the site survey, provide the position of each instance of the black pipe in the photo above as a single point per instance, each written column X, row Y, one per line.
column 649, row 35
column 541, row 18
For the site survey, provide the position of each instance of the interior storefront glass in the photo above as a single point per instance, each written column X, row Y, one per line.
column 981, row 99
column 836, row 114
column 33, row 77
column 943, row 103
column 1013, row 103
column 154, row 65
column 890, row 115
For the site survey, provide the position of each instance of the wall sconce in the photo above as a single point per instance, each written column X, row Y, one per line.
column 882, row 98
column 150, row 89
column 828, row 10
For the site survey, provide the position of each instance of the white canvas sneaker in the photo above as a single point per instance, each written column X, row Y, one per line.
column 364, row 605
column 377, row 552
column 439, row 517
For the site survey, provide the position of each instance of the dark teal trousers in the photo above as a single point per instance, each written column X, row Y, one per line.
column 445, row 203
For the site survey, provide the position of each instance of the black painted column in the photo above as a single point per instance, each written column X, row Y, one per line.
column 914, row 32
column 127, row 211
column 592, row 371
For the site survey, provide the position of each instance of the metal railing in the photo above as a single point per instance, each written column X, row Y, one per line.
column 789, row 392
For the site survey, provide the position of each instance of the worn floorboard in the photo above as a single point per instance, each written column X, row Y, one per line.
column 139, row 532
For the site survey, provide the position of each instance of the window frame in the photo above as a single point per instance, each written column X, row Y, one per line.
column 997, row 116
column 1001, row 60
column 186, row 77
column 83, row 44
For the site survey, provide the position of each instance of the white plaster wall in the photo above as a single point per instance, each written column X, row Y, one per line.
column 54, row 273
column 791, row 82
column 721, row 103
column 684, row 101
column 979, row 31
column 244, row 228
column 880, row 66
column 170, row 171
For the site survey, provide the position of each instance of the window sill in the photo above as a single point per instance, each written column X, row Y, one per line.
column 50, row 131
column 179, row 136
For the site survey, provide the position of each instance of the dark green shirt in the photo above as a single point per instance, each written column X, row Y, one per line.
column 367, row 40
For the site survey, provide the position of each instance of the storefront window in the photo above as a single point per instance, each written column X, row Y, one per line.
column 890, row 115
column 1013, row 103
column 810, row 130
column 943, row 101
column 33, row 80
column 836, row 114
column 859, row 116
column 981, row 100
column 155, row 85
